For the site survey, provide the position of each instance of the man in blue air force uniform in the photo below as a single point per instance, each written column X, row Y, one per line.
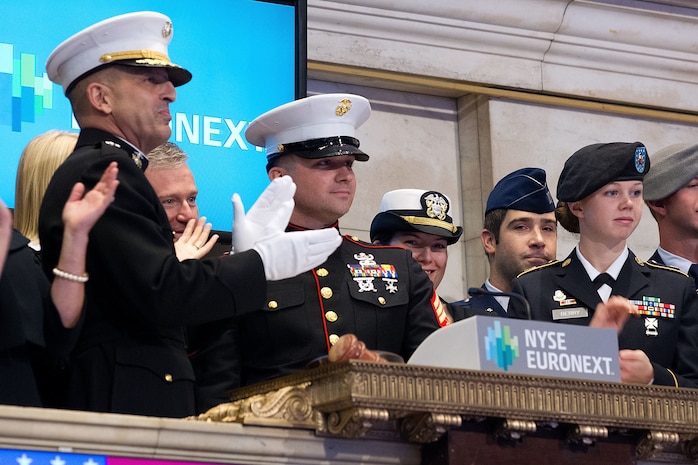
column 519, row 232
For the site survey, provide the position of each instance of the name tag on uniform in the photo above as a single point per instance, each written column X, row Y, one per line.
column 568, row 313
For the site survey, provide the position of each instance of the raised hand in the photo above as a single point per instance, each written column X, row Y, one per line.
column 268, row 216
column 195, row 241
column 82, row 212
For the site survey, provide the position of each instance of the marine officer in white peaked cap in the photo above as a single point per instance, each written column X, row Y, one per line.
column 130, row 356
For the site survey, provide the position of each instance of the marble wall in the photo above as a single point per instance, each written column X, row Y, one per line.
column 465, row 92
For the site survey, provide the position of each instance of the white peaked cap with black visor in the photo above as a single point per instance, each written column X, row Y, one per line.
column 313, row 127
column 132, row 39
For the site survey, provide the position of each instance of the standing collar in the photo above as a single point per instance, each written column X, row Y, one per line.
column 613, row 270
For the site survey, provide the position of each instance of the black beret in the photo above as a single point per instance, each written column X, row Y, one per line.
column 415, row 210
column 525, row 189
column 592, row 167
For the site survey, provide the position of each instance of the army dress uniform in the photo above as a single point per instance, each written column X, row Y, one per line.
column 666, row 330
column 379, row 293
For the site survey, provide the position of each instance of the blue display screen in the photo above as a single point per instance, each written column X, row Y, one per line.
column 242, row 54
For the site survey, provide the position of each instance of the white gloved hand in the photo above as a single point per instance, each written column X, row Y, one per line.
column 291, row 253
column 268, row 216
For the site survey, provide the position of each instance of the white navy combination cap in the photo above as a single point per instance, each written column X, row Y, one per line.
column 312, row 127
column 134, row 39
column 415, row 210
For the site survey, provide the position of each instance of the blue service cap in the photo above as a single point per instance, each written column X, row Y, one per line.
column 525, row 189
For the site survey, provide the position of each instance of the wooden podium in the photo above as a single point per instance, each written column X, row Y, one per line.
column 477, row 417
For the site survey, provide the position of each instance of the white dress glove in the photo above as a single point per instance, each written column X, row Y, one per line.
column 268, row 216
column 291, row 253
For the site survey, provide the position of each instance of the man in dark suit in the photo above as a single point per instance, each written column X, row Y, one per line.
column 380, row 294
column 519, row 232
column 131, row 356
column 671, row 193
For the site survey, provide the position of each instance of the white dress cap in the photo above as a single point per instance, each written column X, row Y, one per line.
column 414, row 210
column 404, row 199
column 312, row 127
column 136, row 39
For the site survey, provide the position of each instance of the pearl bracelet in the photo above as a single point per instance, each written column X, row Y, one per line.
column 71, row 276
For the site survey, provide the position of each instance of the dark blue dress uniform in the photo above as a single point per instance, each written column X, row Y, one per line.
column 380, row 294
column 669, row 339
column 131, row 356
column 477, row 305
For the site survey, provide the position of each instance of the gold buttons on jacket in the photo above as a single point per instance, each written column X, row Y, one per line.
column 326, row 292
column 168, row 377
column 331, row 316
column 381, row 300
column 333, row 339
column 273, row 304
column 322, row 272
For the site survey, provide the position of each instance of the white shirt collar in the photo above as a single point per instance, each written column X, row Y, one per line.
column 675, row 261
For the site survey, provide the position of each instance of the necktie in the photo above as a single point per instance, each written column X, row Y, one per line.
column 599, row 281
column 605, row 278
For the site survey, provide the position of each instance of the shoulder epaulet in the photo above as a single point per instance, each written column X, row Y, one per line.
column 534, row 268
column 368, row 245
column 653, row 264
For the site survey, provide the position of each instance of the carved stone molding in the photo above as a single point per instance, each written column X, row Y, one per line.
column 514, row 430
column 419, row 404
column 653, row 443
column 355, row 422
column 428, row 427
column 288, row 406
column 582, row 48
column 586, row 434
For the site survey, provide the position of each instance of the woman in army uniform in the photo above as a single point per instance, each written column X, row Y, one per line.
column 600, row 197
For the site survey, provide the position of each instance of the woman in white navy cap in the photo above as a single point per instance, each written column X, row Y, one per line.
column 131, row 355
column 600, row 197
column 419, row 221
column 379, row 294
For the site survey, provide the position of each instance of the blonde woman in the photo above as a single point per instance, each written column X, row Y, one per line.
column 40, row 159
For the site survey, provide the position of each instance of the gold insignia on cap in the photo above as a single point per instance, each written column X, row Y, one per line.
column 155, row 57
column 566, row 262
column 437, row 206
column 280, row 147
column 167, row 30
column 322, row 272
column 343, row 107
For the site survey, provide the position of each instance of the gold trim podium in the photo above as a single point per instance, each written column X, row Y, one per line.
column 463, row 416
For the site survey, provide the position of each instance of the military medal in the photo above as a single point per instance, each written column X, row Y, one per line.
column 562, row 299
column 651, row 326
column 367, row 270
